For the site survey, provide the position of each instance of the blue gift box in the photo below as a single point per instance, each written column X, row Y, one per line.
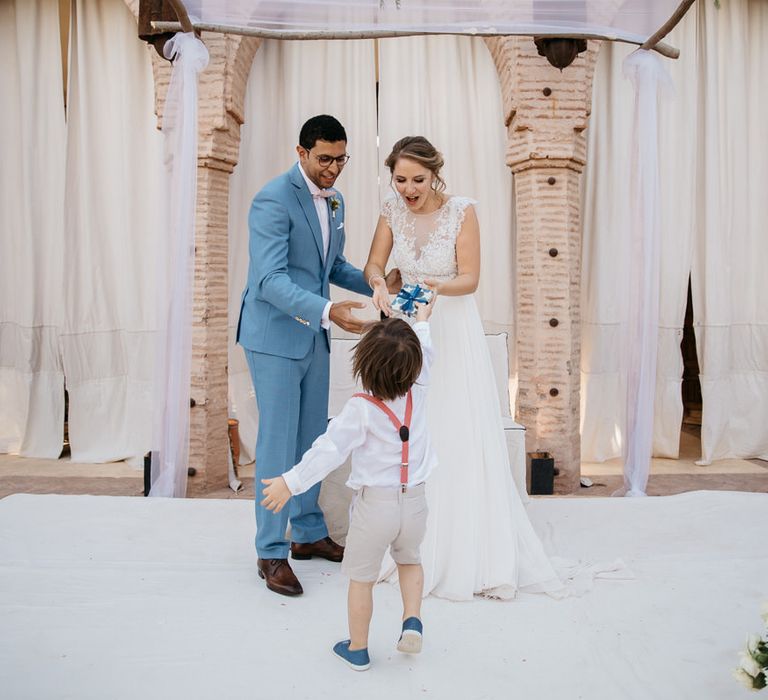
column 410, row 295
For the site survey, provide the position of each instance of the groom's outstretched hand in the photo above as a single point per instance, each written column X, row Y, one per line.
column 341, row 314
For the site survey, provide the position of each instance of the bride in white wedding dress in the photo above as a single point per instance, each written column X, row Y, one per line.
column 479, row 539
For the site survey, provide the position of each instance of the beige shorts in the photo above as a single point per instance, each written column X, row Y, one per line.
column 384, row 517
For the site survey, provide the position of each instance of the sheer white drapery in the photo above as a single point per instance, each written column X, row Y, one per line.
column 640, row 331
column 113, row 200
column 175, row 270
column 634, row 20
column 281, row 95
column 32, row 143
column 713, row 173
column 605, row 206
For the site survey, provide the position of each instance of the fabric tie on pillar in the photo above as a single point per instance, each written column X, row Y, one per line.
column 175, row 271
column 650, row 78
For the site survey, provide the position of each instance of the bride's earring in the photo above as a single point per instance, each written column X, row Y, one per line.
column 433, row 187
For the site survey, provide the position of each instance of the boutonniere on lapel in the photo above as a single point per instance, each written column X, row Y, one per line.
column 334, row 204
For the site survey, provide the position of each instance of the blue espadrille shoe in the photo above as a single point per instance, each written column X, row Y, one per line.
column 410, row 639
column 357, row 660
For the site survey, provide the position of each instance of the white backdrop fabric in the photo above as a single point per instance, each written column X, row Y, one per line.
column 279, row 99
column 728, row 276
column 80, row 218
column 713, row 179
column 32, row 144
column 606, row 247
column 175, row 273
column 634, row 19
column 114, row 194
column 640, row 333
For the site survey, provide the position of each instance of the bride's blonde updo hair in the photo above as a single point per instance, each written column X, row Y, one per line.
column 418, row 149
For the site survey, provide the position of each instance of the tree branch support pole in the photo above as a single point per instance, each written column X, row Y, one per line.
column 325, row 35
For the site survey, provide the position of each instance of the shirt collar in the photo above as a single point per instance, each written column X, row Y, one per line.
column 313, row 188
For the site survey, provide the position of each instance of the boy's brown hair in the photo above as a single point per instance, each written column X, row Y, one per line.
column 388, row 359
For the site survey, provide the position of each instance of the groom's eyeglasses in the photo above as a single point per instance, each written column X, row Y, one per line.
column 325, row 161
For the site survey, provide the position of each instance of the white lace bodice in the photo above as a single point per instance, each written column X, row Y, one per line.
column 424, row 245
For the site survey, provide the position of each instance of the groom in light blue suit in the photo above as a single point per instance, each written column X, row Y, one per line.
column 296, row 247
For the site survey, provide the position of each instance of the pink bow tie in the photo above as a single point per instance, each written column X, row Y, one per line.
column 324, row 194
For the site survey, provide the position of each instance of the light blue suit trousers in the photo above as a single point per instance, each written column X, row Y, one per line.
column 292, row 396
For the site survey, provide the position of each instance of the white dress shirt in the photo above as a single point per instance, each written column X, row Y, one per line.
column 321, row 207
column 363, row 429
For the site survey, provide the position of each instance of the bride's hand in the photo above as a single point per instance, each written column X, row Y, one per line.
column 434, row 287
column 381, row 296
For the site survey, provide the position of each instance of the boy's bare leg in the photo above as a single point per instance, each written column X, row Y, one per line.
column 359, row 610
column 411, row 577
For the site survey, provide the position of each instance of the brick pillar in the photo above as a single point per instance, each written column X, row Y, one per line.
column 220, row 113
column 546, row 112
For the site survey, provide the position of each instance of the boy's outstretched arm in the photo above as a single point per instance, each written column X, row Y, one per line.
column 276, row 494
column 424, row 311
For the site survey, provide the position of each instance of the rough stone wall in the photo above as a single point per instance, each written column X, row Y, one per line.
column 546, row 112
column 222, row 89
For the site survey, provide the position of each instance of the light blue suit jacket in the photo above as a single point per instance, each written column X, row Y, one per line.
column 288, row 282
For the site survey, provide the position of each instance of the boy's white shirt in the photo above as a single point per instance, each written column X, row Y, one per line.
column 365, row 431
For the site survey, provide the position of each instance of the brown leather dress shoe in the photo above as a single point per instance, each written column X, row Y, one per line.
column 325, row 549
column 279, row 576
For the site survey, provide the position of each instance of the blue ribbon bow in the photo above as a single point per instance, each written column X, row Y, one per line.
column 411, row 295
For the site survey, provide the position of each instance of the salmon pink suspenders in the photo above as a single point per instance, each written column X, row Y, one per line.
column 403, row 430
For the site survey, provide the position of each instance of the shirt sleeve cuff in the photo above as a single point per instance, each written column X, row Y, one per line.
column 292, row 481
column 325, row 320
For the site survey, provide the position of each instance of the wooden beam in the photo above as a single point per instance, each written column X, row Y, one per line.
column 668, row 26
column 181, row 13
column 659, row 46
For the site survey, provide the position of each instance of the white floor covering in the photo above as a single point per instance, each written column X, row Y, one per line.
column 106, row 597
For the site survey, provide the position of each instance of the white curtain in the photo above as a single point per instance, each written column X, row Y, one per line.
column 113, row 220
column 728, row 278
column 713, row 176
column 290, row 82
column 175, row 274
column 459, row 110
column 32, row 144
column 640, row 332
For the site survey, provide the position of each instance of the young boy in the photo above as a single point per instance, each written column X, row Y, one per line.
column 390, row 464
